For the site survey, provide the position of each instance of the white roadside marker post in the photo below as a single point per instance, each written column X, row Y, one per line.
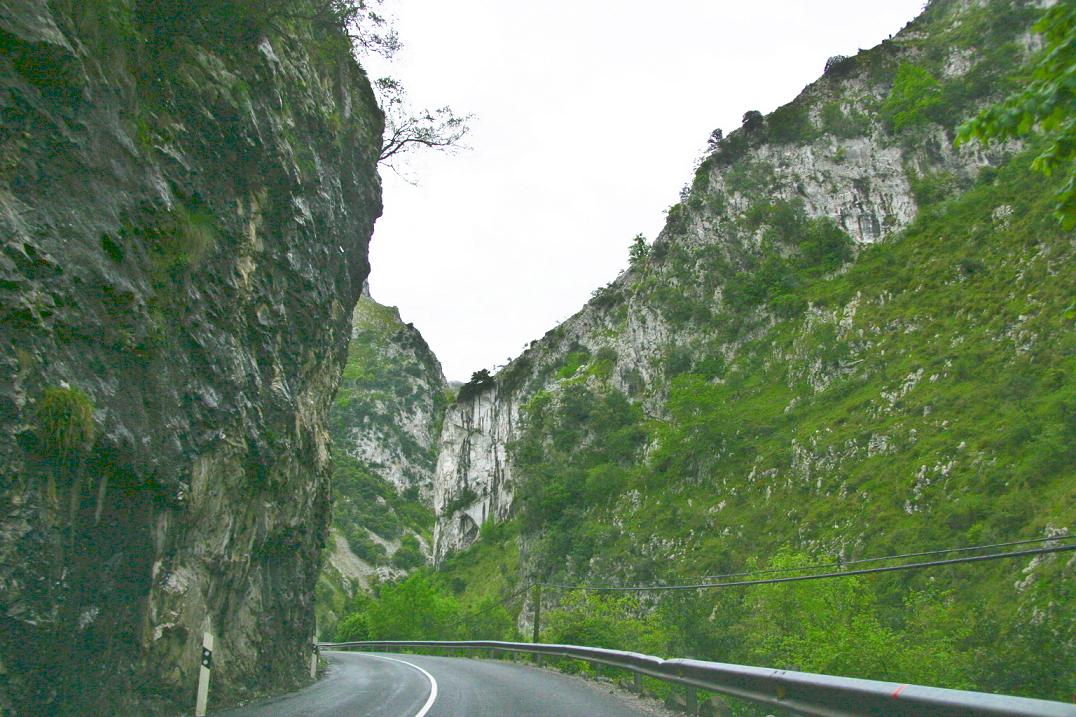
column 203, row 675
column 314, row 663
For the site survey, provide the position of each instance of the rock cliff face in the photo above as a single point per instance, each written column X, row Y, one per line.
column 384, row 424
column 186, row 199
column 473, row 478
column 852, row 155
column 388, row 410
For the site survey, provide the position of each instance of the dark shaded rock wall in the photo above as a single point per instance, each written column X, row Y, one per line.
column 186, row 199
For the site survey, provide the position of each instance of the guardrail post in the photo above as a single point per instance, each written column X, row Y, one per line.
column 692, row 701
column 637, row 688
column 536, row 597
column 314, row 663
column 203, row 675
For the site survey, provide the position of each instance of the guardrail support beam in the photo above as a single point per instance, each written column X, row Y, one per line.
column 536, row 599
column 692, row 700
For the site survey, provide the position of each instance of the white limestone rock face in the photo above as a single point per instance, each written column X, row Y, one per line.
column 473, row 478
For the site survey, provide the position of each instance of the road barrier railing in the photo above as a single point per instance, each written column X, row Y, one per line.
column 801, row 693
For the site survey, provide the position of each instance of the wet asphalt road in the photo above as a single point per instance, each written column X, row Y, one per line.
column 379, row 685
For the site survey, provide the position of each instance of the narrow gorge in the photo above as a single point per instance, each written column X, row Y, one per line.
column 851, row 339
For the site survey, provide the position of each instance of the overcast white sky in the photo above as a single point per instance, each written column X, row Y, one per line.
column 590, row 116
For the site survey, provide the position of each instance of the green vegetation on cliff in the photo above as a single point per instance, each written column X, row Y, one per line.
column 1045, row 105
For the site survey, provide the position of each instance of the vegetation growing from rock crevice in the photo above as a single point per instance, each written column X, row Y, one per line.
column 63, row 419
column 913, row 98
column 480, row 381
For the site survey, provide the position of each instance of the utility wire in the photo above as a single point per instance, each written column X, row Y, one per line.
column 502, row 604
column 819, row 576
column 521, row 590
column 861, row 561
column 773, row 571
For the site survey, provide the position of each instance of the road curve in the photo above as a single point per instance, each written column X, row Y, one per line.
column 376, row 685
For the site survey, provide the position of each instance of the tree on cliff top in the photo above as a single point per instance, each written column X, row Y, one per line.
column 360, row 21
column 407, row 129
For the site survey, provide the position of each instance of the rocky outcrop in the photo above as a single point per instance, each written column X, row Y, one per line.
column 841, row 154
column 473, row 480
column 388, row 411
column 186, row 199
column 384, row 424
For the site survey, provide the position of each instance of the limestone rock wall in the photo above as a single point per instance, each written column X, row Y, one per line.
column 389, row 407
column 185, row 208
column 473, row 478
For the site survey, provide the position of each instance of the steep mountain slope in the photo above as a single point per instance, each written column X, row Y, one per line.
column 187, row 191
column 850, row 339
column 384, row 423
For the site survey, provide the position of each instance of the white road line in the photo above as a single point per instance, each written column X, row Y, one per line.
column 433, row 683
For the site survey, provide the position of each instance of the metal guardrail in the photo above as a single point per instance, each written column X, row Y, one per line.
column 801, row 693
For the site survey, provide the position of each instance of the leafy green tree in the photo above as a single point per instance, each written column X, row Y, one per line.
column 833, row 626
column 825, row 626
column 409, row 555
column 418, row 608
column 489, row 619
column 480, row 381
column 752, row 120
column 639, row 250
column 1046, row 104
column 617, row 622
column 353, row 628
column 915, row 91
column 355, row 625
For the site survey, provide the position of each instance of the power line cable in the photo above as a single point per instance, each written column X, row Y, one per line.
column 772, row 571
column 503, row 604
column 819, row 576
column 861, row 561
